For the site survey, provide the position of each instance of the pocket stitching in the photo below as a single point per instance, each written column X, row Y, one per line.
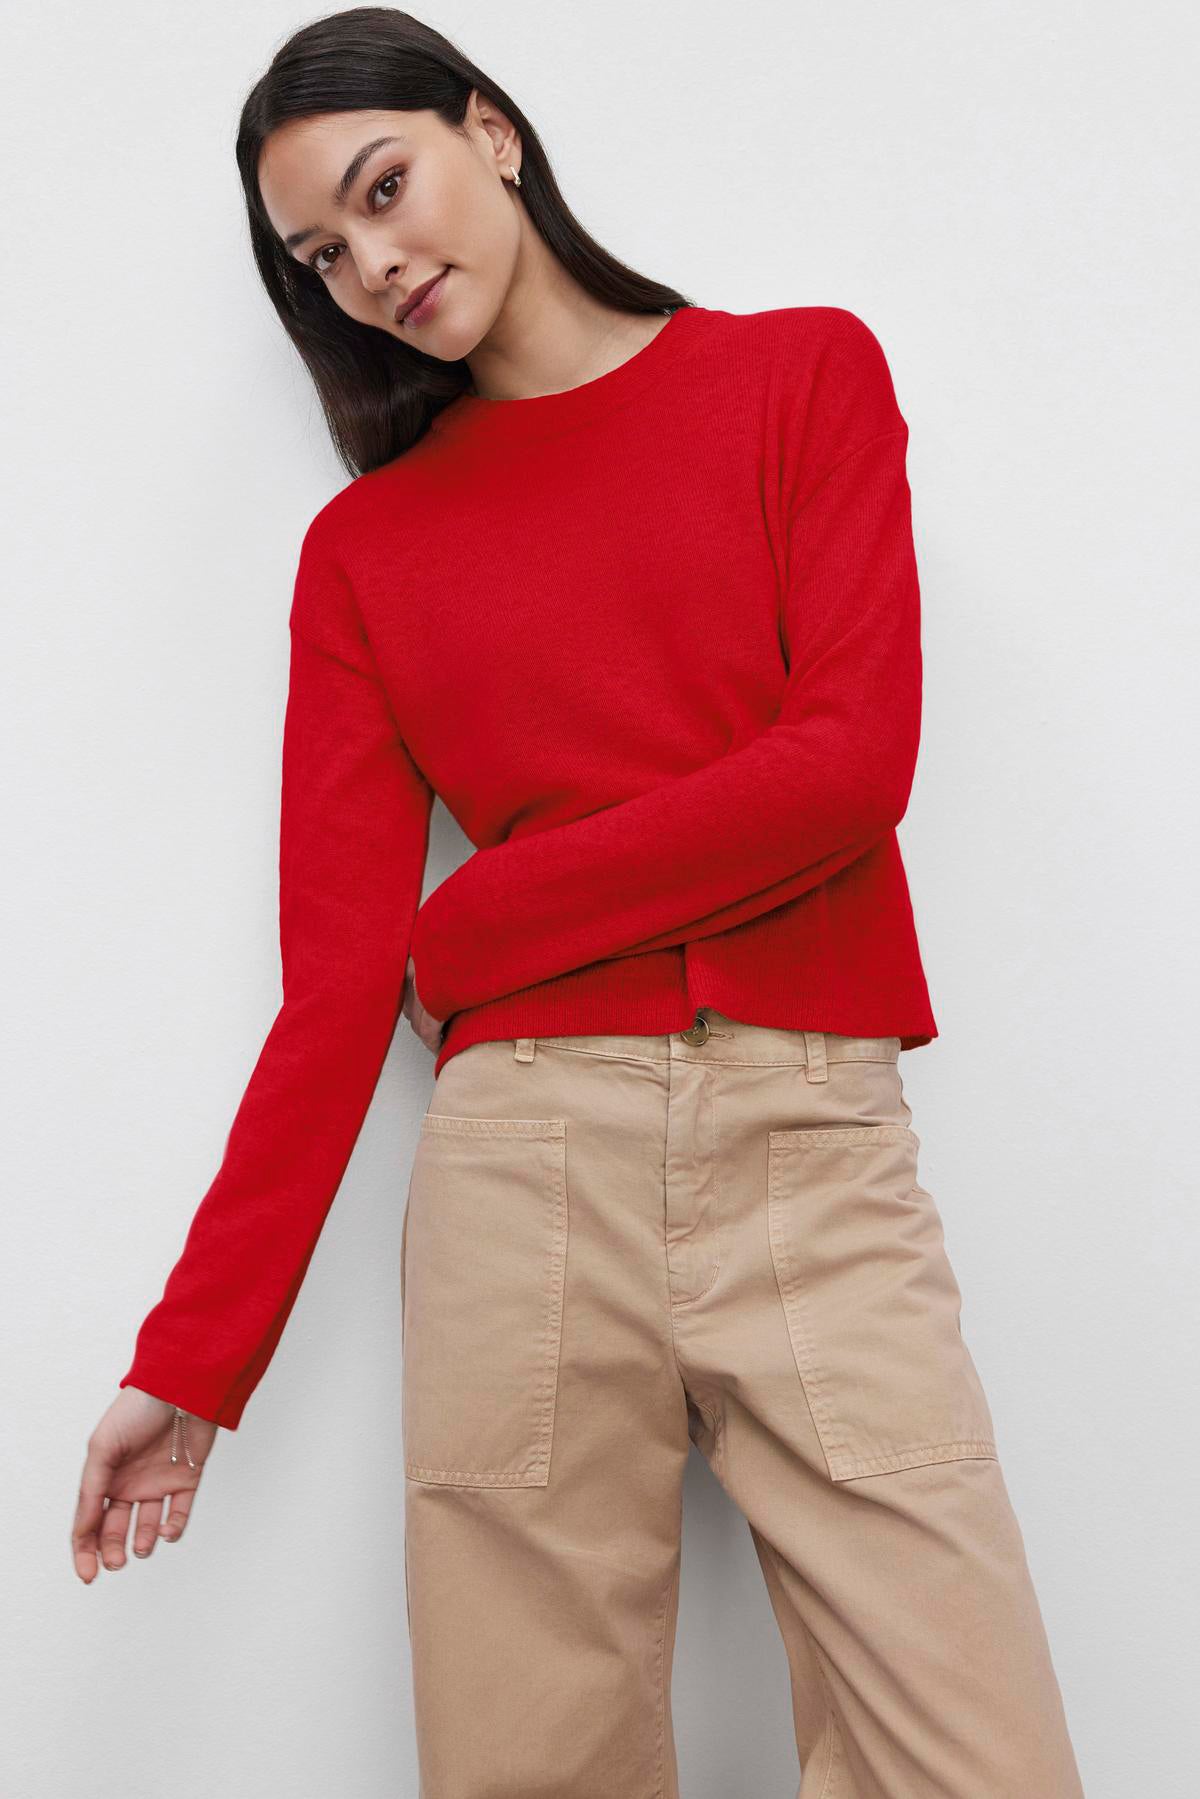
column 786, row 1278
column 454, row 1125
column 535, row 1471
column 980, row 1449
column 842, row 1464
column 842, row 1133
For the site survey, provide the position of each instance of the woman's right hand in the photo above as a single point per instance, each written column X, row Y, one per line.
column 129, row 1463
column 427, row 1027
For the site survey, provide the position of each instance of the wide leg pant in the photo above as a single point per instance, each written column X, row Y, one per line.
column 617, row 1245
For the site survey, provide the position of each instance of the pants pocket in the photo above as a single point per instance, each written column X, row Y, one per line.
column 872, row 1303
column 483, row 1271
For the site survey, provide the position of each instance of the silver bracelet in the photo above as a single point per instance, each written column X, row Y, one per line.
column 179, row 1429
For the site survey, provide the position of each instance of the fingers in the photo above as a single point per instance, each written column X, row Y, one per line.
column 114, row 1527
column 99, row 1531
column 89, row 1513
column 178, row 1514
column 149, row 1519
column 126, row 1468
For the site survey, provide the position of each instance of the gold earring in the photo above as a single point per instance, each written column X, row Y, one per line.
column 515, row 176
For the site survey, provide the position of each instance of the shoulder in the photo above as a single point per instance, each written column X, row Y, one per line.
column 824, row 386
column 808, row 327
column 343, row 529
column 821, row 350
column 323, row 606
column 344, row 519
column 831, row 377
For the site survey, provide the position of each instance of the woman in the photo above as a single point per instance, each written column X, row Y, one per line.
column 630, row 583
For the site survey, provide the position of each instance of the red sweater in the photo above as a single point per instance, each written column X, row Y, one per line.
column 655, row 642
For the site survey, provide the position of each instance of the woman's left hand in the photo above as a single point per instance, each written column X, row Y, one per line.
column 129, row 1464
column 427, row 1027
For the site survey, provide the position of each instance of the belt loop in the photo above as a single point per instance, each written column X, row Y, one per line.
column 525, row 1048
column 817, row 1068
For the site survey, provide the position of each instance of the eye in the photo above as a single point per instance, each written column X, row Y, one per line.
column 323, row 268
column 392, row 175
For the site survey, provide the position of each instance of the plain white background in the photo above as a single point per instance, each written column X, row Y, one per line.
column 1003, row 194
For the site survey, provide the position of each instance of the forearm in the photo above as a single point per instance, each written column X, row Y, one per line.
column 650, row 872
column 211, row 1335
column 726, row 842
column 754, row 905
column 354, row 819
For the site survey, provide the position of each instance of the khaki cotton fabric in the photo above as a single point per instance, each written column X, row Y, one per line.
column 614, row 1247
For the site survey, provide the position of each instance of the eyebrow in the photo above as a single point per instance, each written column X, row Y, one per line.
column 351, row 174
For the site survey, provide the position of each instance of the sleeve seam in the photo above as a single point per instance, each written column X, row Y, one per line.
column 322, row 649
column 375, row 679
column 334, row 564
column 879, row 437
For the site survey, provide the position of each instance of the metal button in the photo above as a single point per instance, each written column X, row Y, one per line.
column 698, row 1032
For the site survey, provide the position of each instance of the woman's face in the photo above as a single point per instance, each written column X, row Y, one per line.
column 378, row 203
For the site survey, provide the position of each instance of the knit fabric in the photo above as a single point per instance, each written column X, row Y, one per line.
column 655, row 643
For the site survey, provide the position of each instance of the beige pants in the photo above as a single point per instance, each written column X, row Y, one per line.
column 613, row 1247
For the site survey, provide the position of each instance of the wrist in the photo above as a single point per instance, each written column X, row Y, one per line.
column 425, row 947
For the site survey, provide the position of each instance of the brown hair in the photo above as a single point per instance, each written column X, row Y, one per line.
column 379, row 395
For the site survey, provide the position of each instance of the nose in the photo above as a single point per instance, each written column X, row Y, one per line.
column 384, row 273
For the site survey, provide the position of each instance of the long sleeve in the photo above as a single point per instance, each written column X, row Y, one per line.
column 354, row 821
column 829, row 777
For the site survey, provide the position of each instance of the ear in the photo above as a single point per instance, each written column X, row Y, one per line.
column 503, row 137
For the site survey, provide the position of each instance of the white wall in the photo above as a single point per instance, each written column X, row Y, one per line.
column 1001, row 193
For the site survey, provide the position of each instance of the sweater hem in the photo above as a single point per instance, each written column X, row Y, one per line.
column 664, row 1015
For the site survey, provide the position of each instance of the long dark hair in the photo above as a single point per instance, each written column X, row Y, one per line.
column 379, row 395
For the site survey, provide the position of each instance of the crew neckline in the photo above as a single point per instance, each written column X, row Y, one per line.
column 536, row 415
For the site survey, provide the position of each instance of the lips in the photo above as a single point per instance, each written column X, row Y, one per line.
column 417, row 295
